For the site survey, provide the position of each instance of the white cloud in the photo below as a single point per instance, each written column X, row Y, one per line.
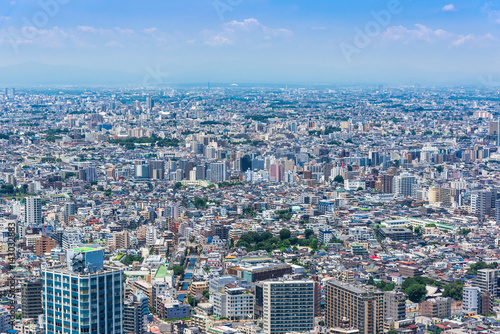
column 493, row 15
column 218, row 40
column 283, row 33
column 449, row 8
column 124, row 31
column 87, row 29
column 102, row 31
column 253, row 25
column 249, row 30
column 245, row 25
column 475, row 39
column 114, row 44
column 423, row 33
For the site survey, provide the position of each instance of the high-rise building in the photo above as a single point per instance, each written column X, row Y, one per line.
column 471, row 300
column 83, row 296
column 121, row 240
column 288, row 306
column 233, row 303
column 135, row 310
column 151, row 235
column 69, row 210
column 434, row 194
column 386, row 183
column 221, row 230
column 395, row 304
column 498, row 133
column 494, row 131
column 172, row 210
column 31, row 299
column 245, row 163
column 91, row 174
column 486, row 280
column 33, row 209
column 149, row 102
column 276, row 172
column 71, row 239
column 483, row 203
column 10, row 179
column 218, row 172
column 201, row 172
column 362, row 305
column 141, row 171
column 404, row 184
column 497, row 211
column 44, row 245
column 156, row 169
column 5, row 320
column 374, row 158
column 439, row 307
column 327, row 170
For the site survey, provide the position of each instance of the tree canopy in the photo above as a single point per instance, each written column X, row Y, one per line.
column 178, row 270
column 481, row 265
column 266, row 241
column 338, row 179
column 454, row 290
column 416, row 292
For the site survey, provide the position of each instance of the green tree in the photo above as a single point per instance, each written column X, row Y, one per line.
column 129, row 259
column 314, row 244
column 454, row 290
column 249, row 212
column 465, row 231
column 382, row 285
column 308, row 233
column 416, row 292
column 192, row 301
column 481, row 265
column 285, row 234
column 371, row 281
column 339, row 179
column 392, row 331
column 419, row 280
column 178, row 270
column 200, row 202
column 206, row 293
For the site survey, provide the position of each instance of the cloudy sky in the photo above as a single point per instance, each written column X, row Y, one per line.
column 252, row 41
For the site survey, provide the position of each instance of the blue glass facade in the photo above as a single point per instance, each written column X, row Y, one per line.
column 83, row 303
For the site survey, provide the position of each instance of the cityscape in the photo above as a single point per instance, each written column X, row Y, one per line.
column 249, row 167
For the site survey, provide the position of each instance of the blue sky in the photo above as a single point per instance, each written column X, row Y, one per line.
column 260, row 41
